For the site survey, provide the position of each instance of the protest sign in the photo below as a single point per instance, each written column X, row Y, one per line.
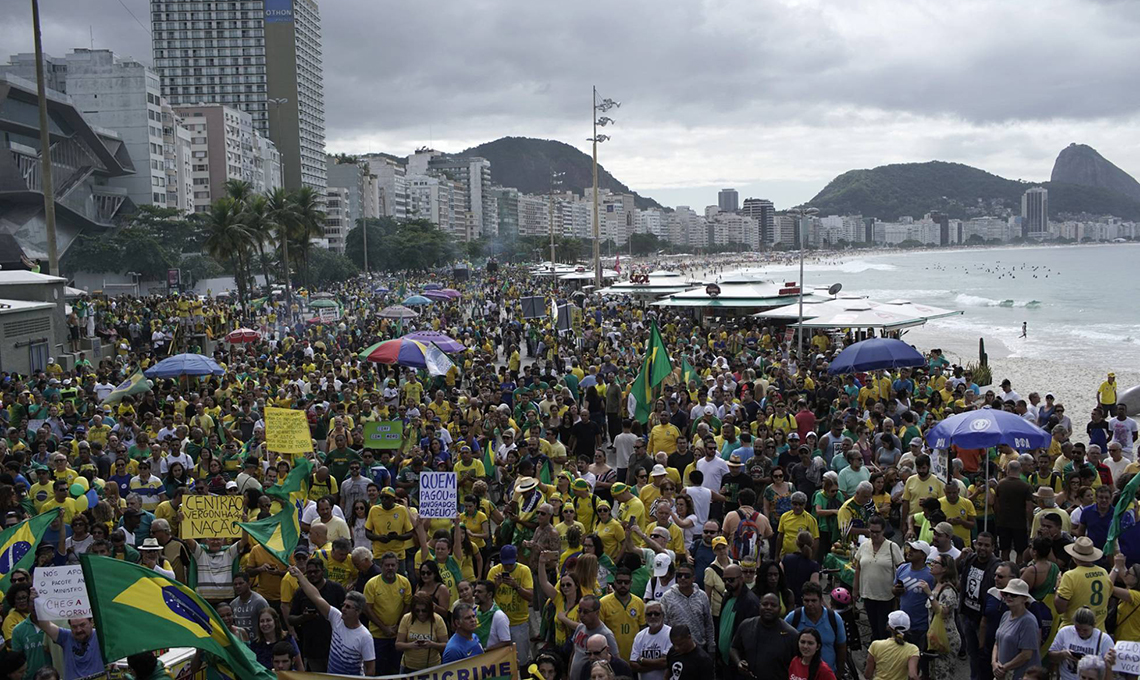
column 62, row 593
column 500, row 663
column 383, row 434
column 1127, row 658
column 940, row 464
column 287, row 430
column 439, row 498
column 329, row 314
column 211, row 516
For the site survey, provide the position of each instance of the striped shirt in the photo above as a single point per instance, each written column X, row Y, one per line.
column 350, row 648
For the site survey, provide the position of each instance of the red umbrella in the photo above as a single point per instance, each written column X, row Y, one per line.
column 243, row 335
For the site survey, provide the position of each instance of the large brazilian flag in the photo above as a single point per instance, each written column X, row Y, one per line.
column 277, row 534
column 654, row 369
column 139, row 610
column 18, row 545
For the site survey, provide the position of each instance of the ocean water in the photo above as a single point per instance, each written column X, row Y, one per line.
column 1080, row 303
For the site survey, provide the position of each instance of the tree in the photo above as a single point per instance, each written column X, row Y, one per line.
column 151, row 242
column 281, row 214
column 395, row 246
column 227, row 238
column 329, row 267
column 310, row 224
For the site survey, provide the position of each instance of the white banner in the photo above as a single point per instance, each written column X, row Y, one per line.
column 61, row 593
column 439, row 497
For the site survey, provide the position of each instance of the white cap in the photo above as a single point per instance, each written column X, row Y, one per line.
column 658, row 471
column 661, row 564
column 898, row 620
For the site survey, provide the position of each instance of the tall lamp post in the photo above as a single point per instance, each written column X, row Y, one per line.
column 45, row 147
column 555, row 180
column 601, row 106
column 800, row 214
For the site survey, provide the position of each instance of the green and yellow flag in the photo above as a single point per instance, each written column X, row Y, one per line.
column 1127, row 496
column 489, row 458
column 277, row 534
column 296, row 481
column 128, row 597
column 136, row 384
column 18, row 544
column 688, row 372
column 653, row 370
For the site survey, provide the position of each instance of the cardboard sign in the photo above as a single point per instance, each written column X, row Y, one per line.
column 329, row 314
column 383, row 434
column 940, row 464
column 1127, row 657
column 439, row 497
column 212, row 516
column 287, row 431
column 62, row 593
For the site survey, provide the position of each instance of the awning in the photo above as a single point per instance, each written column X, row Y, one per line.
column 725, row 303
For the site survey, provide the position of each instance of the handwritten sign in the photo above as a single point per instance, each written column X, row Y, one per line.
column 62, row 593
column 1127, row 657
column 940, row 464
column 439, row 498
column 212, row 516
column 383, row 434
column 329, row 314
column 287, row 430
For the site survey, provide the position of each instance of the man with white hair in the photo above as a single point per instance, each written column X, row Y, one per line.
column 1116, row 462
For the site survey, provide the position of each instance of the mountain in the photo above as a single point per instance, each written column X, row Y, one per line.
column 525, row 164
column 960, row 191
column 1081, row 164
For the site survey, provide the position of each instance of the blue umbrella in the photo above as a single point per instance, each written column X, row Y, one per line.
column 184, row 364
column 873, row 354
column 986, row 428
column 416, row 300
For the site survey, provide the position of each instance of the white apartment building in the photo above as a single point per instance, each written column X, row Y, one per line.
column 176, row 153
column 686, row 228
column 224, row 146
column 337, row 223
column 534, row 215
column 652, row 221
column 732, row 228
column 391, row 184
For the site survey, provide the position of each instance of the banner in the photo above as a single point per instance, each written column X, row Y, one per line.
column 212, row 516
column 329, row 314
column 383, row 434
column 287, row 430
column 62, row 593
column 497, row 664
column 439, row 498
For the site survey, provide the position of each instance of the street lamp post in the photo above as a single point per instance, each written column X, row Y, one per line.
column 555, row 180
column 45, row 147
column 599, row 107
column 800, row 214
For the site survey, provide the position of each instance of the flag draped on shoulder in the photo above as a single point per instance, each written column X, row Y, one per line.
column 127, row 597
column 277, row 534
column 489, row 458
column 18, row 544
column 136, row 384
column 296, row 481
column 654, row 369
column 1127, row 500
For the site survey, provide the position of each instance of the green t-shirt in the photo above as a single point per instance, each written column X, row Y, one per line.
column 830, row 522
column 338, row 459
column 29, row 639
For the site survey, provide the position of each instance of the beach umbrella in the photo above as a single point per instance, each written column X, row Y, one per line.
column 411, row 353
column 873, row 354
column 436, row 295
column 983, row 429
column 397, row 312
column 322, row 296
column 184, row 364
column 444, row 342
column 317, row 304
column 243, row 335
column 451, row 292
column 416, row 300
column 381, row 290
column 363, row 354
column 433, row 286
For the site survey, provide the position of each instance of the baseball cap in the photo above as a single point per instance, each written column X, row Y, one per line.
column 661, row 564
column 619, row 488
column 919, row 545
column 388, row 491
column 794, row 437
column 509, row 555
column 231, row 484
column 718, row 541
column 898, row 620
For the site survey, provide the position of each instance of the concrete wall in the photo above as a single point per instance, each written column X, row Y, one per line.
column 15, row 353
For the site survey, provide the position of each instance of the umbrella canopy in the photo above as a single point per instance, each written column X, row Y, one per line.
column 322, row 296
column 381, row 290
column 400, row 351
column 442, row 341
column 417, row 300
column 397, row 312
column 317, row 304
column 433, row 286
column 363, row 354
column 184, row 364
column 436, row 295
column 240, row 336
column 873, row 354
column 986, row 428
column 451, row 292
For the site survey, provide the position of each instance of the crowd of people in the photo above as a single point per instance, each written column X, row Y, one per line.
column 765, row 521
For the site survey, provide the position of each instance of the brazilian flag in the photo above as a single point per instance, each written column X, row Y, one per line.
column 296, row 481
column 18, row 544
column 688, row 373
column 277, row 534
column 126, row 597
column 654, row 369
column 489, row 459
column 136, row 384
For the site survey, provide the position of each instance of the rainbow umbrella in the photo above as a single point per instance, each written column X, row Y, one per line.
column 444, row 342
column 401, row 351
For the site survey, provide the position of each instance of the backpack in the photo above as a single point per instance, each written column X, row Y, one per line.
column 832, row 617
column 746, row 537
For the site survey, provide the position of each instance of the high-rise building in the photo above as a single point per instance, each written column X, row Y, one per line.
column 507, row 210
column 349, row 174
column 475, row 175
column 117, row 94
column 260, row 56
column 1035, row 213
column 764, row 212
column 336, row 218
column 176, row 155
column 728, row 200
column 224, row 146
column 391, row 184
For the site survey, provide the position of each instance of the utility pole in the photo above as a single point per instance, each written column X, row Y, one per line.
column 45, row 147
column 602, row 106
column 554, row 179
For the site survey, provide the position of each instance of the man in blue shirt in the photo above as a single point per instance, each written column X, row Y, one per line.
column 81, row 655
column 464, row 643
column 912, row 599
column 832, row 632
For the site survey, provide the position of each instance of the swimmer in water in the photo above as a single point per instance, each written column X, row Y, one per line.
column 1024, row 329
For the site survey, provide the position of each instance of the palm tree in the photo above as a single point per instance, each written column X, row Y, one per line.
column 255, row 217
column 310, row 223
column 227, row 238
column 281, row 217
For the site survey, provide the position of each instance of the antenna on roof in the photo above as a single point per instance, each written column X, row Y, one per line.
column 835, row 288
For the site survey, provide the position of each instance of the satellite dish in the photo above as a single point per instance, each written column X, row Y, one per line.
column 835, row 288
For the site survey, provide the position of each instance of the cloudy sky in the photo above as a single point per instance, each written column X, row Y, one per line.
column 773, row 97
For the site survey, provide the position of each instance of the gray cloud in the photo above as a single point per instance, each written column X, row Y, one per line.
column 713, row 91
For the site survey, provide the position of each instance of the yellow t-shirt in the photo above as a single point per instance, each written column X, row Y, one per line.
column 1085, row 587
column 613, row 535
column 508, row 599
column 40, row 494
column 963, row 509
column 917, row 489
column 68, row 506
column 623, row 620
column 892, row 659
column 676, row 538
column 381, row 521
column 633, row 510
column 389, row 601
column 13, row 619
column 343, row 571
column 1106, row 393
column 477, row 523
column 790, row 526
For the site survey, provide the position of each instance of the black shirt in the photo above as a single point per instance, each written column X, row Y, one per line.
column 585, row 438
column 693, row 665
column 768, row 651
column 316, row 634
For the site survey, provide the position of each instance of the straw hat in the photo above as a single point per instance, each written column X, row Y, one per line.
column 1017, row 587
column 525, row 484
column 1083, row 550
column 1045, row 493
